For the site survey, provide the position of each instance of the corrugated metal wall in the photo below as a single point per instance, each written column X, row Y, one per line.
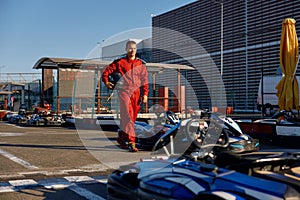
column 251, row 42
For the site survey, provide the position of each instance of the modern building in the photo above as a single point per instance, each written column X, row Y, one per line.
column 19, row 90
column 240, row 38
column 117, row 50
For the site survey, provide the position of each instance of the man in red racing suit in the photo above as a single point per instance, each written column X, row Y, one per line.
column 134, row 76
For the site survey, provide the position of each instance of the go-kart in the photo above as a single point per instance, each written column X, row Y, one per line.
column 282, row 117
column 282, row 126
column 147, row 135
column 217, row 129
column 185, row 179
column 18, row 119
column 254, row 175
column 272, row 165
column 278, row 166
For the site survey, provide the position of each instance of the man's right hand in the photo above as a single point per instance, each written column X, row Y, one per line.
column 109, row 85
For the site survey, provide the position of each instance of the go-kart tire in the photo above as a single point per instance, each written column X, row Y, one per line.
column 122, row 186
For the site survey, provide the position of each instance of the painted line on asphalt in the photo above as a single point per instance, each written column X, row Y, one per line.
column 7, row 134
column 69, row 182
column 17, row 160
column 76, row 179
column 84, row 192
column 24, row 182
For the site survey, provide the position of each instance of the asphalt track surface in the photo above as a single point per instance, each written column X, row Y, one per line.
column 60, row 162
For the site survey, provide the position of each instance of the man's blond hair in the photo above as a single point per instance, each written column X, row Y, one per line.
column 129, row 42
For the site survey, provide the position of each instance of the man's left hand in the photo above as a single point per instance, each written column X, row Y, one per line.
column 145, row 99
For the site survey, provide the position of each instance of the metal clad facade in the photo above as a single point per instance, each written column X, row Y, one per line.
column 251, row 43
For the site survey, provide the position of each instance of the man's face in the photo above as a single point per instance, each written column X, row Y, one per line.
column 131, row 49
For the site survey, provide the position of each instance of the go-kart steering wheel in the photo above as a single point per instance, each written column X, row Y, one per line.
column 214, row 136
column 159, row 112
column 288, row 117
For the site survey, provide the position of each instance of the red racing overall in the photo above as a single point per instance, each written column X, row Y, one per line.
column 134, row 76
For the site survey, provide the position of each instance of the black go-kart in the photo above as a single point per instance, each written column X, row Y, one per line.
column 213, row 133
column 148, row 135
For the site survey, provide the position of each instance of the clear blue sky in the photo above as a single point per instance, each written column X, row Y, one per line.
column 31, row 29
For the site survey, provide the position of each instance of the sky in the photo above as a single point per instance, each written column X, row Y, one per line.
column 32, row 29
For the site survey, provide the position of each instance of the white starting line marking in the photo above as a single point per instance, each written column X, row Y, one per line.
column 72, row 183
column 11, row 134
column 24, row 182
column 17, row 160
column 84, row 193
column 79, row 178
column 6, row 187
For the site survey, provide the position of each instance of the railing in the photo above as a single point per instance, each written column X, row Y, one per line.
column 20, row 77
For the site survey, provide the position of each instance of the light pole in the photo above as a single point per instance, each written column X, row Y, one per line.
column 100, row 49
column 221, row 2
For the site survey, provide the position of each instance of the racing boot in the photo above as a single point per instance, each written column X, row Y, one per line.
column 121, row 139
column 132, row 147
column 121, row 143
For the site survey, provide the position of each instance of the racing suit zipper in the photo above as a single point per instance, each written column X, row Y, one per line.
column 132, row 74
